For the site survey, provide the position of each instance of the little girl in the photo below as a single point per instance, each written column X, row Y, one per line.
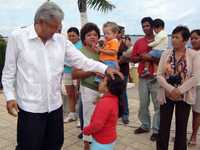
column 104, row 119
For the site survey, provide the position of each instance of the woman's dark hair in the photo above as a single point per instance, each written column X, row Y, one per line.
column 88, row 27
column 73, row 29
column 147, row 19
column 157, row 23
column 127, row 37
column 121, row 29
column 197, row 31
column 184, row 31
column 115, row 86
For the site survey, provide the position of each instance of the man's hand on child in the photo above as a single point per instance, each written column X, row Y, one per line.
column 145, row 57
column 99, row 74
column 110, row 71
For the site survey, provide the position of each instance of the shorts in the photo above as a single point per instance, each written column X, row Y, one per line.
column 67, row 79
column 98, row 146
column 155, row 53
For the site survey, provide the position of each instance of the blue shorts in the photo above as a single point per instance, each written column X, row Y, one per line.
column 112, row 64
column 155, row 53
column 98, row 146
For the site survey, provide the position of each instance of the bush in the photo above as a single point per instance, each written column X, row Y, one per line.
column 2, row 50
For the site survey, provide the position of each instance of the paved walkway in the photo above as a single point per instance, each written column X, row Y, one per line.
column 127, row 140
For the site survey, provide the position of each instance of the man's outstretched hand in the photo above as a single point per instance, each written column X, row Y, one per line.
column 110, row 71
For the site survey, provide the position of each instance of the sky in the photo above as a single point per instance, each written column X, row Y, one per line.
column 128, row 13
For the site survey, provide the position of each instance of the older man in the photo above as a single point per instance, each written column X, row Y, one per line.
column 31, row 79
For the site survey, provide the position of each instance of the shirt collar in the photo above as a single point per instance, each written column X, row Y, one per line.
column 33, row 34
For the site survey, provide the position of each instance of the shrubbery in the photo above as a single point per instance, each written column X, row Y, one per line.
column 2, row 50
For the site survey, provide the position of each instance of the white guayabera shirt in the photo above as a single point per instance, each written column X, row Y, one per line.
column 32, row 72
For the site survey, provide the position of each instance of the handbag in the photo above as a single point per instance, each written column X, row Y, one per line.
column 174, row 79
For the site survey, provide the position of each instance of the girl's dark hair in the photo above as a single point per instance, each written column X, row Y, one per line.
column 184, row 31
column 88, row 27
column 115, row 86
column 147, row 19
column 73, row 29
column 197, row 31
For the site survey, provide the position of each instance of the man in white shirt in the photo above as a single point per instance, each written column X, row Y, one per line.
column 32, row 75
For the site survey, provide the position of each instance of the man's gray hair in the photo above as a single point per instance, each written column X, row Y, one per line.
column 49, row 11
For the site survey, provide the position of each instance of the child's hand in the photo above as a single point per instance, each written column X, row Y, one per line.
column 100, row 49
column 95, row 102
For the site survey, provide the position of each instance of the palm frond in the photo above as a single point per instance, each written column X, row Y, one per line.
column 100, row 5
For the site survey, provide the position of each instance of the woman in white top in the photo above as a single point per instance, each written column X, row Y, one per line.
column 195, row 40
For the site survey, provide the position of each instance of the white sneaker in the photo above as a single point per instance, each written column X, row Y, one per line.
column 71, row 117
column 78, row 124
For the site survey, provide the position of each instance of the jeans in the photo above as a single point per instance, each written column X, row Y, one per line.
column 182, row 112
column 148, row 91
column 124, row 99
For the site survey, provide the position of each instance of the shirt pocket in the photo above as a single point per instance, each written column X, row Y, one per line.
column 56, row 61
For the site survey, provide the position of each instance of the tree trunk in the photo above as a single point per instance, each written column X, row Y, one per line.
column 83, row 18
column 82, row 5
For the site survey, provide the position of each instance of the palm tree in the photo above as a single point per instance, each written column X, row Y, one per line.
column 99, row 5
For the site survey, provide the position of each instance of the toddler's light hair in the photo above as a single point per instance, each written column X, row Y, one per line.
column 114, row 27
